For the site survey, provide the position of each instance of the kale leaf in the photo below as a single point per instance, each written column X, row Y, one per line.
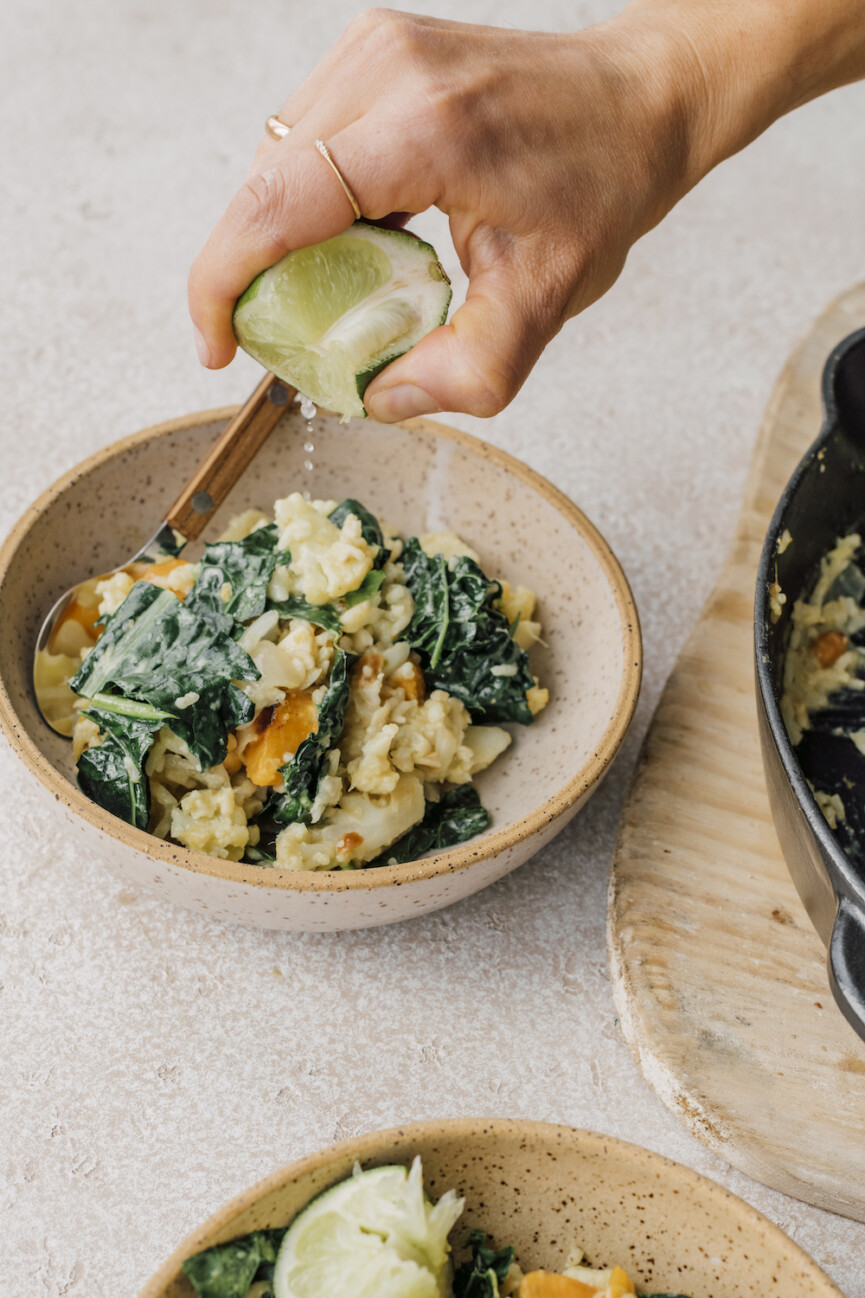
column 371, row 584
column 245, row 568
column 257, row 856
column 304, row 770
column 156, row 650
column 112, row 773
column 370, row 528
column 465, row 644
column 480, row 1277
column 217, row 713
column 227, row 1270
column 323, row 615
column 328, row 615
column 458, row 815
column 427, row 579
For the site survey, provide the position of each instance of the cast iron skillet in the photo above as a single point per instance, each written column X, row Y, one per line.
column 824, row 499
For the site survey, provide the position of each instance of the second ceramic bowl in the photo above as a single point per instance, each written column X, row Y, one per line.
column 547, row 1189
column 422, row 477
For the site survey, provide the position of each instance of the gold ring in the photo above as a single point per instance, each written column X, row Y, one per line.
column 328, row 157
column 276, row 128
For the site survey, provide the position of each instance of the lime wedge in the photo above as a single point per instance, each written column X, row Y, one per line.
column 328, row 318
column 374, row 1235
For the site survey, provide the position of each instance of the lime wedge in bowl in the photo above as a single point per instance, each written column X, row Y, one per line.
column 374, row 1235
column 329, row 317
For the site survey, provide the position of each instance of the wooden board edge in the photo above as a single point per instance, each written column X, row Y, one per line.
column 692, row 1113
column 838, row 319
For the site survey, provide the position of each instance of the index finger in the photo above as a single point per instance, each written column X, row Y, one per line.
column 293, row 203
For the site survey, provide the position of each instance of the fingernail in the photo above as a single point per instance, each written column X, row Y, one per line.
column 201, row 347
column 403, row 401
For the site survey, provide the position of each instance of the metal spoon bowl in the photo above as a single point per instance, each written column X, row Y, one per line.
column 202, row 495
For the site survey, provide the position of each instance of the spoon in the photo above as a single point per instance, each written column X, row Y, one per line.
column 205, row 491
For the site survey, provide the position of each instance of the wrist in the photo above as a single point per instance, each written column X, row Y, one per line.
column 739, row 65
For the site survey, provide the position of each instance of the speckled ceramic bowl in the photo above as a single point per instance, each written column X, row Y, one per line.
column 421, row 477
column 547, row 1189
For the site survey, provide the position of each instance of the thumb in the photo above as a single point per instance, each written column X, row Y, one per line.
column 476, row 364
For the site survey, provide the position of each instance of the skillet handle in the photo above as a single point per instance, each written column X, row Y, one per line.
column 847, row 964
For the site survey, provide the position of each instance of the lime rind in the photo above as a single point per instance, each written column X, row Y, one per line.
column 328, row 318
column 374, row 1235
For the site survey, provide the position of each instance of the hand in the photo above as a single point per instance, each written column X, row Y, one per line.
column 550, row 154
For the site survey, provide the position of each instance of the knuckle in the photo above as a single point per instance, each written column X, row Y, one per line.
column 456, row 111
column 376, row 21
column 261, row 198
column 445, row 111
column 395, row 37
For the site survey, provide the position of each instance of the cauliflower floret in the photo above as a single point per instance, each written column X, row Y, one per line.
column 173, row 771
column 448, row 544
column 112, row 591
column 250, row 798
column 330, row 788
column 392, row 539
column 480, row 747
column 519, row 602
column 379, row 622
column 85, row 734
column 243, row 524
column 311, row 650
column 431, row 738
column 264, row 627
column 170, row 758
column 372, row 771
column 510, row 1286
column 210, row 821
column 387, row 734
column 179, row 579
column 301, row 659
column 371, row 725
column 162, row 804
column 326, row 561
column 355, row 832
column 537, row 698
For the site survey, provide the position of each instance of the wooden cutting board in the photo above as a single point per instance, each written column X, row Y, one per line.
column 719, row 978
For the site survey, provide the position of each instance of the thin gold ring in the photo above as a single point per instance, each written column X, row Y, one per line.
column 276, row 128
column 328, row 157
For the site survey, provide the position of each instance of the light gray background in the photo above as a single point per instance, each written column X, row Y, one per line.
column 154, row 1064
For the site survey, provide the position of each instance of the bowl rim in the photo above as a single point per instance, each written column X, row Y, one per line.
column 844, row 874
column 370, row 1144
column 441, row 863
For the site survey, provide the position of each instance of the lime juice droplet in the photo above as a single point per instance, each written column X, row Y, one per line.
column 308, row 411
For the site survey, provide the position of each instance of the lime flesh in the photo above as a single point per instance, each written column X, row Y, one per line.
column 329, row 317
column 374, row 1235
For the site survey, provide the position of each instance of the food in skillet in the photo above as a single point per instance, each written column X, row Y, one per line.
column 823, row 704
column 378, row 1235
column 315, row 693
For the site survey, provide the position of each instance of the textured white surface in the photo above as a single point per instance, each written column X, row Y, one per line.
column 153, row 1064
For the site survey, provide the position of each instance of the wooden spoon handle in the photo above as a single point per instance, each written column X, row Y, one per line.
column 228, row 459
